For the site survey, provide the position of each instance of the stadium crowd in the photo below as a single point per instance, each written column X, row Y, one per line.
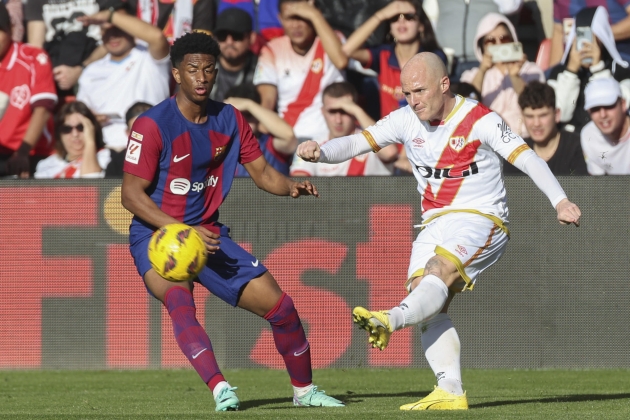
column 74, row 75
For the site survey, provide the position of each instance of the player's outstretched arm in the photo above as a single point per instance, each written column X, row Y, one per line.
column 568, row 213
column 309, row 151
column 269, row 179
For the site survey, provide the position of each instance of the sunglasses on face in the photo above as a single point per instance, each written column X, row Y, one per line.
column 406, row 16
column 503, row 39
column 236, row 36
column 67, row 129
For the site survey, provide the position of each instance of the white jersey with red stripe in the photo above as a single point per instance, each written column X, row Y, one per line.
column 367, row 164
column 300, row 80
column 454, row 162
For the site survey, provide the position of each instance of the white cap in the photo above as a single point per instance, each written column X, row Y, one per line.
column 601, row 92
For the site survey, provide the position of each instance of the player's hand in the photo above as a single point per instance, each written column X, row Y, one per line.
column 303, row 188
column 309, row 151
column 211, row 239
column 568, row 213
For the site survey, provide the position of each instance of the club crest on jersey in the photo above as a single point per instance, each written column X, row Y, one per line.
column 218, row 152
column 317, row 65
column 457, row 143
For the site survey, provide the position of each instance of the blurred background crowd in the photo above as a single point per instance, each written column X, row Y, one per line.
column 75, row 74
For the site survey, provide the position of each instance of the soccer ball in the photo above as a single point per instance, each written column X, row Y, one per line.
column 177, row 252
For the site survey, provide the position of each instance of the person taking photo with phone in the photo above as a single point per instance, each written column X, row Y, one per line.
column 503, row 70
column 590, row 54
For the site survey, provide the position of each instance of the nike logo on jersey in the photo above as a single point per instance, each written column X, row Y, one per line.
column 302, row 352
column 255, row 263
column 197, row 355
column 177, row 159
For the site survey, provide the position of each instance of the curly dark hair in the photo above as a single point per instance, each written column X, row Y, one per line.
column 537, row 95
column 193, row 43
column 75, row 107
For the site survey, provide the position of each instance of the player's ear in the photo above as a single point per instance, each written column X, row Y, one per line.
column 445, row 84
column 176, row 76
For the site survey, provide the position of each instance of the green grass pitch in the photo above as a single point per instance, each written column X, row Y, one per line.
column 266, row 394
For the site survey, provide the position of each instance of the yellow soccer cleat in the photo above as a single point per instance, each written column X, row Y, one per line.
column 376, row 323
column 439, row 399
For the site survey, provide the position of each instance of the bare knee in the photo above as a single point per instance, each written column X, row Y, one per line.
column 439, row 267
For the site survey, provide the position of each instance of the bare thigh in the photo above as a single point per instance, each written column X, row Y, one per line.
column 260, row 295
column 159, row 286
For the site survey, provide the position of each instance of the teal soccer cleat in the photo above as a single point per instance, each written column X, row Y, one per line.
column 227, row 400
column 316, row 398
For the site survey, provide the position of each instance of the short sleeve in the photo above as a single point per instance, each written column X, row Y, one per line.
column 144, row 147
column 250, row 149
column 266, row 72
column 386, row 131
column 43, row 83
column 493, row 131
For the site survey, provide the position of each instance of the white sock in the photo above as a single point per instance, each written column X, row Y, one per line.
column 423, row 303
column 442, row 349
column 300, row 391
column 217, row 389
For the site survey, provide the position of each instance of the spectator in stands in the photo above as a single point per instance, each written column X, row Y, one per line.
column 605, row 140
column 126, row 75
column 456, row 26
column 293, row 69
column 237, row 63
column 279, row 145
column 344, row 117
column 190, row 15
column 16, row 13
column 53, row 26
column 599, row 59
column 28, row 90
column 560, row 149
column 565, row 10
column 79, row 148
column 115, row 167
column 500, row 83
column 410, row 32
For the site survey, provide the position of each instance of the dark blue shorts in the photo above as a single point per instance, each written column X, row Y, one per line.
column 225, row 273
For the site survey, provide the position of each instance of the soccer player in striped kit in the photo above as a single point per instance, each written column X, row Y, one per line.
column 179, row 166
column 451, row 143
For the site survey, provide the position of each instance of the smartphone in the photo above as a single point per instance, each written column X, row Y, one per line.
column 506, row 53
column 583, row 34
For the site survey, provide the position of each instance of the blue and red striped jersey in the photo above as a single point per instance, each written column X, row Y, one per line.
column 191, row 166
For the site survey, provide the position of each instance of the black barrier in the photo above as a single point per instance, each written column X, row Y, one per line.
column 70, row 296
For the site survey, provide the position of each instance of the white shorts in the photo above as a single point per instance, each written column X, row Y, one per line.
column 472, row 242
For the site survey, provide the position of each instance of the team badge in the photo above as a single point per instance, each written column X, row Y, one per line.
column 218, row 152
column 133, row 152
column 20, row 96
column 457, row 143
column 317, row 65
column 137, row 136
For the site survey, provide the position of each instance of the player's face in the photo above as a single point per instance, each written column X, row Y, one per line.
column 72, row 136
column 609, row 119
column 195, row 76
column 117, row 42
column 425, row 94
column 299, row 31
column 5, row 43
column 338, row 121
column 541, row 123
column 234, row 46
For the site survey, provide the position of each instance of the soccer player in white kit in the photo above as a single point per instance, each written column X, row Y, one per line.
column 451, row 144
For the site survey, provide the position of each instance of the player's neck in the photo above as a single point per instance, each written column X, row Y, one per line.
column 192, row 111
column 449, row 105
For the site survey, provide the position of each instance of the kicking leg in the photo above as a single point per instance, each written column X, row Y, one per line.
column 429, row 294
column 191, row 337
column 263, row 297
